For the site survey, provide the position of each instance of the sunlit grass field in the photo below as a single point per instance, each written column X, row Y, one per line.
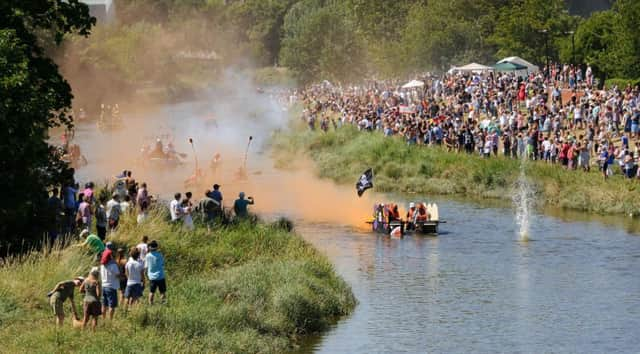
column 238, row 289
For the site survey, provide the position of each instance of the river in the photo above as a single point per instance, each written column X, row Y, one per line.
column 573, row 287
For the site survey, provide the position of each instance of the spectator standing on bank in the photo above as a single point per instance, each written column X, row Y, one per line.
column 110, row 277
column 154, row 264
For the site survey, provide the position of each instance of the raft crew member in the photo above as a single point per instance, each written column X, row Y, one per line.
column 171, row 151
column 394, row 214
column 158, row 150
column 411, row 212
column 423, row 214
column 411, row 215
column 378, row 210
column 217, row 159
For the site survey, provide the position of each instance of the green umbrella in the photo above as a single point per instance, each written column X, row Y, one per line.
column 506, row 66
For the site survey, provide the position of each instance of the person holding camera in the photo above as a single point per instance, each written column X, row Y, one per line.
column 240, row 205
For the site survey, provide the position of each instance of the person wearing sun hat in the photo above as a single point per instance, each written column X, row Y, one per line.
column 154, row 266
column 61, row 292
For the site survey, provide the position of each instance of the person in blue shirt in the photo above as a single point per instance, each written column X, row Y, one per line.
column 216, row 194
column 154, row 266
column 70, row 208
column 240, row 205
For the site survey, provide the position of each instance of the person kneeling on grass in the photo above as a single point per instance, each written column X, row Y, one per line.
column 91, row 303
column 134, row 269
column 154, row 264
column 61, row 292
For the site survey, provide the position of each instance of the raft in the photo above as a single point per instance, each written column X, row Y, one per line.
column 429, row 227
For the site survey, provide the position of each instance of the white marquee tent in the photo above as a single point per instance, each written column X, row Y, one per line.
column 413, row 83
column 517, row 60
column 473, row 67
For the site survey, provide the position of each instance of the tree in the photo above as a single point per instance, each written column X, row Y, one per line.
column 445, row 32
column 260, row 22
column 321, row 43
column 628, row 41
column 33, row 98
column 595, row 42
column 529, row 28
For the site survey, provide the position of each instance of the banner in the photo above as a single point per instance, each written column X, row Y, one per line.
column 365, row 182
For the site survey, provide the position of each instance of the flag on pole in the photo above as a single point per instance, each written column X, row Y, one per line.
column 365, row 182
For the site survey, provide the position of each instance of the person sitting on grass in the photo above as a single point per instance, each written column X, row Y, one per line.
column 154, row 264
column 59, row 294
column 91, row 303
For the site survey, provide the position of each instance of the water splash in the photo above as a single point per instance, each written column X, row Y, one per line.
column 523, row 201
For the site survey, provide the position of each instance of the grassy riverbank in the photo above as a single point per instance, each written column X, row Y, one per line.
column 342, row 156
column 242, row 289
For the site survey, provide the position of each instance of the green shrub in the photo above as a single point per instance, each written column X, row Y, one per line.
column 621, row 83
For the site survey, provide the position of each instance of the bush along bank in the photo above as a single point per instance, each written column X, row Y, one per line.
column 342, row 155
column 238, row 289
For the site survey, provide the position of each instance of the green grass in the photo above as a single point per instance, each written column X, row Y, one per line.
column 342, row 156
column 241, row 289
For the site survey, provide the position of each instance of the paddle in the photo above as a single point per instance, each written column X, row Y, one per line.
column 247, row 150
column 195, row 156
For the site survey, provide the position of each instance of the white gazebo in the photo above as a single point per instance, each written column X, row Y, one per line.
column 413, row 84
column 473, row 67
column 531, row 68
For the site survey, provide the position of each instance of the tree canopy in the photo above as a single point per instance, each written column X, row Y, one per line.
column 317, row 38
column 33, row 98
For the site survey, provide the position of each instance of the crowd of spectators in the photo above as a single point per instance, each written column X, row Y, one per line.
column 557, row 116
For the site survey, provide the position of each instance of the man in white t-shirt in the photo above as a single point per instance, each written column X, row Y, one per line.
column 143, row 248
column 546, row 146
column 134, row 269
column 175, row 209
column 110, row 277
column 113, row 211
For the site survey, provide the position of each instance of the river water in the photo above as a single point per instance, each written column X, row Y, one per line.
column 573, row 287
